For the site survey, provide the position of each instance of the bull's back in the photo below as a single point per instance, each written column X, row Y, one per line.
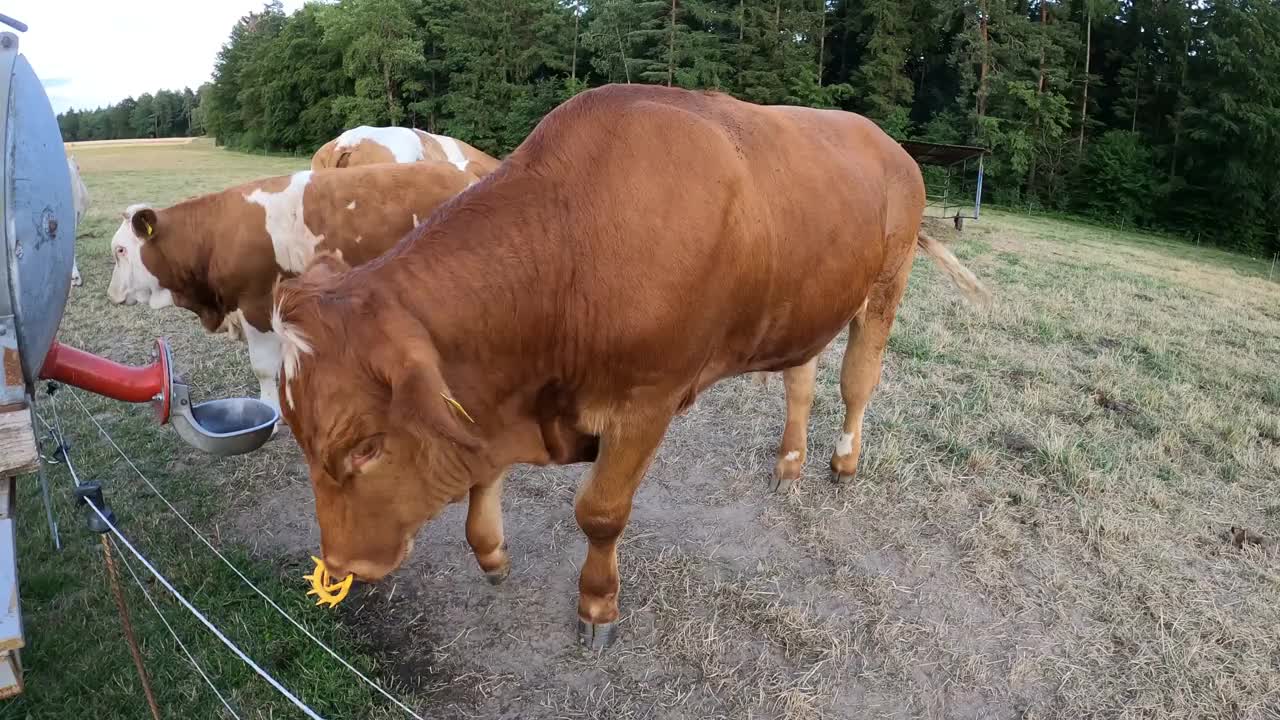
column 757, row 231
column 845, row 212
column 364, row 211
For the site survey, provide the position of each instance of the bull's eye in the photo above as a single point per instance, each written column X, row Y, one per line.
column 365, row 452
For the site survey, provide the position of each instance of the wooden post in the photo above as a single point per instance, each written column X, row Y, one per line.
column 18, row 456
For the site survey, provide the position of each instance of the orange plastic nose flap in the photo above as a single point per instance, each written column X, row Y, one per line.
column 325, row 588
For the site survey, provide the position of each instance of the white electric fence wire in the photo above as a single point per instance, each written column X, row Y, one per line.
column 154, row 606
column 200, row 616
column 234, row 569
column 122, row 540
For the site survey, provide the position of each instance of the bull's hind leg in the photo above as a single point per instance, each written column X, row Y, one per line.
column 602, row 509
column 860, row 373
column 799, row 382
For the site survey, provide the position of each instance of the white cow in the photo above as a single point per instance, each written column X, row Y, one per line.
column 80, row 199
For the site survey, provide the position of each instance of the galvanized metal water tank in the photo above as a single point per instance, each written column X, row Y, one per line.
column 37, row 219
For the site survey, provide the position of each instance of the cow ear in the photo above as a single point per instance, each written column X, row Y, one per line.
column 421, row 402
column 144, row 223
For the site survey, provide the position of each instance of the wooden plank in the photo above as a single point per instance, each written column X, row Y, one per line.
column 10, row 608
column 18, row 451
column 10, row 674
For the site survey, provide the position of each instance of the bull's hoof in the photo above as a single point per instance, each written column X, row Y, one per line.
column 841, row 478
column 499, row 575
column 780, row 484
column 786, row 472
column 596, row 638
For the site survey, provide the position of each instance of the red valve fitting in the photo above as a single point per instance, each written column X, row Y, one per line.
column 98, row 375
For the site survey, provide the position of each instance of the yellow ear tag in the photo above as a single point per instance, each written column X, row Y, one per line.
column 324, row 587
column 147, row 225
column 458, row 406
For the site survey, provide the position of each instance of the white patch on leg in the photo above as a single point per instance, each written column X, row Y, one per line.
column 265, row 356
column 359, row 238
column 293, row 242
column 415, row 219
column 845, row 445
column 351, row 205
column 792, row 456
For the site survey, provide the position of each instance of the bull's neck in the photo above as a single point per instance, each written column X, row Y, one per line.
column 484, row 286
column 487, row 278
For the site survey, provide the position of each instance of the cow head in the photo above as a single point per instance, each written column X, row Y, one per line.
column 131, row 280
column 363, row 390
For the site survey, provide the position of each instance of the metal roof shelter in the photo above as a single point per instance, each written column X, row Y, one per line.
column 954, row 161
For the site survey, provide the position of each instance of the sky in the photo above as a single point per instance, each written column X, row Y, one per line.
column 91, row 53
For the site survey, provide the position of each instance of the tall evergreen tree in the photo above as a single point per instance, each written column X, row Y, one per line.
column 225, row 118
column 887, row 92
column 381, row 53
column 510, row 65
column 1156, row 112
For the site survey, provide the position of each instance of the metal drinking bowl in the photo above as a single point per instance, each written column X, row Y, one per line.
column 225, row 427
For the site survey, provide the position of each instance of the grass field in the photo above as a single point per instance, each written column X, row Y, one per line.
column 1041, row 527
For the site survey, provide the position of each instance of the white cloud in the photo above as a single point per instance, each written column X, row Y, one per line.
column 96, row 52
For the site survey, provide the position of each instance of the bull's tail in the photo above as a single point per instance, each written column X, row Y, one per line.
column 968, row 283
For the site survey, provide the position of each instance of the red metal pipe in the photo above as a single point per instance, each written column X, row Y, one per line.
column 104, row 377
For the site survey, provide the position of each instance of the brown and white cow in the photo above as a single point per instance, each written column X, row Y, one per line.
column 640, row 245
column 80, row 201
column 219, row 255
column 367, row 145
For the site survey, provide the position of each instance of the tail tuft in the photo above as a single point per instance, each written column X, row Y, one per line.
column 968, row 283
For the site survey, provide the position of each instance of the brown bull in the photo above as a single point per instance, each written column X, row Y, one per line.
column 640, row 245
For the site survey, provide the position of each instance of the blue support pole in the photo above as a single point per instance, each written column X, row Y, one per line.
column 977, row 200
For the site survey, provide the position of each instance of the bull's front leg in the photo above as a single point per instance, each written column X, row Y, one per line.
column 264, row 358
column 602, row 510
column 484, row 530
column 799, row 382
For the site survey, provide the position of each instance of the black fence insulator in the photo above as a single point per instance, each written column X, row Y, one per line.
column 91, row 492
